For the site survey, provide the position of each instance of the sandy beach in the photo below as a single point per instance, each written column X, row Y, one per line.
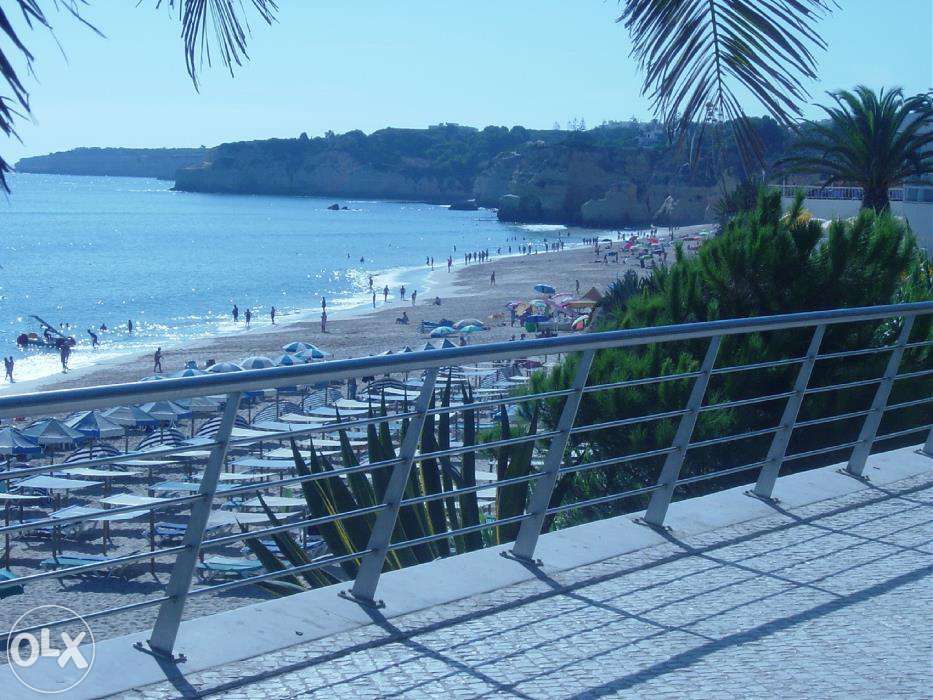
column 465, row 292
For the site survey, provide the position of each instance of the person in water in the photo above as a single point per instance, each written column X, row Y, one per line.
column 248, row 317
column 385, row 294
column 63, row 352
column 129, row 326
column 157, row 360
column 103, row 327
column 401, row 291
column 414, row 295
column 236, row 313
column 8, row 362
column 94, row 341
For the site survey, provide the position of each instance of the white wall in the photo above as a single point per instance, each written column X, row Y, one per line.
column 918, row 214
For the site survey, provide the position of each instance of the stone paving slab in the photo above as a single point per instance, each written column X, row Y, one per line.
column 821, row 601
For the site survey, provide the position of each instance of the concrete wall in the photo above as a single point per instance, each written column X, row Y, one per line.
column 918, row 214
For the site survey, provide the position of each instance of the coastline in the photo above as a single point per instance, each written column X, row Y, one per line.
column 359, row 330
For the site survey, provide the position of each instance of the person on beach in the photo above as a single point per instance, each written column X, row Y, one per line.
column 385, row 294
column 8, row 363
column 437, row 301
column 374, row 298
column 450, row 261
column 492, row 279
column 129, row 326
column 236, row 313
column 370, row 281
column 323, row 322
column 403, row 320
column 323, row 303
column 578, row 286
column 63, row 352
column 432, row 262
column 94, row 341
column 157, row 360
column 272, row 315
column 249, row 317
column 414, row 295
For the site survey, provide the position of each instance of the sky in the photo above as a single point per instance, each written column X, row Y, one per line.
column 337, row 65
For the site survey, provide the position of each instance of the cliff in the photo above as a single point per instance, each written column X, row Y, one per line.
column 161, row 163
column 619, row 174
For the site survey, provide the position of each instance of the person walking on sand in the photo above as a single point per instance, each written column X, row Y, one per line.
column 401, row 292
column 323, row 322
column 236, row 313
column 370, row 281
column 414, row 295
column 272, row 315
column 8, row 363
column 492, row 279
column 578, row 287
column 385, row 294
column 129, row 326
column 95, row 343
column 157, row 360
column 374, row 298
column 63, row 353
column 249, row 317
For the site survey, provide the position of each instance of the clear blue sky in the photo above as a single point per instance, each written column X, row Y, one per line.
column 333, row 64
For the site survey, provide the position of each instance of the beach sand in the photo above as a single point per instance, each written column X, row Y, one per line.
column 465, row 292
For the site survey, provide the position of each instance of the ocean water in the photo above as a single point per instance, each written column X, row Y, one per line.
column 86, row 251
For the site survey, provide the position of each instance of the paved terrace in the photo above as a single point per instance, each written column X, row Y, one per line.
column 824, row 594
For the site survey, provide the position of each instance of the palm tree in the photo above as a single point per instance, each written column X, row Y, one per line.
column 696, row 53
column 224, row 16
column 873, row 140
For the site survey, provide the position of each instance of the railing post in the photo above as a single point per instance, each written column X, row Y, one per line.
column 367, row 577
column 527, row 540
column 768, row 475
column 927, row 448
column 165, row 630
column 661, row 499
column 869, row 430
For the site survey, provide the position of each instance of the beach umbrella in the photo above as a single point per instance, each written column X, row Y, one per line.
column 257, row 362
column 13, row 442
column 442, row 331
column 53, row 432
column 222, row 367
column 447, row 344
column 408, row 348
column 545, row 289
column 539, row 304
column 472, row 329
column 296, row 346
column 129, row 416
column 580, row 323
column 190, row 372
column 287, row 361
column 95, row 424
column 537, row 318
column 312, row 353
column 201, row 405
column 428, row 346
column 166, row 411
column 468, row 322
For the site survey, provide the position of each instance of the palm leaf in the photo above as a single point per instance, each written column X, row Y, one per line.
column 698, row 54
column 293, row 552
column 469, row 503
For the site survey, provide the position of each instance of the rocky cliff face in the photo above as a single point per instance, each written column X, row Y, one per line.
column 161, row 163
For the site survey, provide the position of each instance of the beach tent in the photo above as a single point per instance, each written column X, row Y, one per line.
column 190, row 372
column 593, row 295
column 95, row 424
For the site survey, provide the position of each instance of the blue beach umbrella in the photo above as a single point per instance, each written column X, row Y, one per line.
column 296, row 346
column 95, row 424
column 257, row 362
column 222, row 367
column 287, row 361
column 472, row 329
column 190, row 372
column 166, row 411
column 13, row 442
column 129, row 416
column 545, row 289
column 442, row 331
column 54, row 433
column 312, row 353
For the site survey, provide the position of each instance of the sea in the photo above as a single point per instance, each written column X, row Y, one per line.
column 83, row 252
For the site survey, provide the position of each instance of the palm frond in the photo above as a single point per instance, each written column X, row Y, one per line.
column 698, row 56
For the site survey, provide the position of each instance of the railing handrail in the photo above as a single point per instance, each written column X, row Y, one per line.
column 66, row 400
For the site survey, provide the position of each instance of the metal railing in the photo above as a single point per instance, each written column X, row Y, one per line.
column 895, row 194
column 385, row 513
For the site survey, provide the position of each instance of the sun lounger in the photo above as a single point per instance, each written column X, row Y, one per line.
column 227, row 567
column 169, row 532
column 66, row 560
column 7, row 591
column 314, row 547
